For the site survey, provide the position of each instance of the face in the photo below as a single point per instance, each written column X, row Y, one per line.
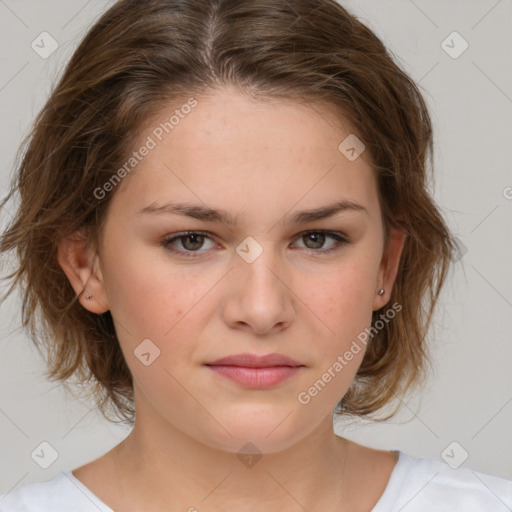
column 252, row 277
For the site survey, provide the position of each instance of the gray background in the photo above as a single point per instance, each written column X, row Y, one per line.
column 469, row 397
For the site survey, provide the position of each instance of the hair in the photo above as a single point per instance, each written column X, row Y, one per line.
column 142, row 55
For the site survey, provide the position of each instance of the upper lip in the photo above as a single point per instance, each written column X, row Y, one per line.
column 255, row 361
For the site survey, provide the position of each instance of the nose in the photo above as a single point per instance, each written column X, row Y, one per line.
column 260, row 299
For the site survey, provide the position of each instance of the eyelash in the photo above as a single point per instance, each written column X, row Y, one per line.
column 340, row 239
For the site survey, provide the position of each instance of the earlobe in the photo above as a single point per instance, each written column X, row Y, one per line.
column 80, row 263
column 389, row 266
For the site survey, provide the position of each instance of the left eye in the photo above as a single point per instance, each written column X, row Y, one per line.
column 193, row 241
column 318, row 239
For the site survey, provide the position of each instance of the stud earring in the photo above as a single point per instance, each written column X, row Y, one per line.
column 381, row 291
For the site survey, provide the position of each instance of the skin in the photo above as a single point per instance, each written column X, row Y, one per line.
column 261, row 162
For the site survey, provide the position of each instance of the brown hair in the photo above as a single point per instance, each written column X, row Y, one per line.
column 141, row 55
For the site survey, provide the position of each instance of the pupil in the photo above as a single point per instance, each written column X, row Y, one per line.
column 195, row 244
column 317, row 239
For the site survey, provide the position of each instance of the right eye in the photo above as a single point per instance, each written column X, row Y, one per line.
column 191, row 242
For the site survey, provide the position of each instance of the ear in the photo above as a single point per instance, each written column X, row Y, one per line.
column 81, row 266
column 389, row 266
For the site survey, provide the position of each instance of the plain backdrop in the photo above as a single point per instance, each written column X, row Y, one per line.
column 466, row 409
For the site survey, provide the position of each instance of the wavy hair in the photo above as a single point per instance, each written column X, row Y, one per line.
column 142, row 54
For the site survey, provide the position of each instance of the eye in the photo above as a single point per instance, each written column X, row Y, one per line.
column 190, row 241
column 317, row 239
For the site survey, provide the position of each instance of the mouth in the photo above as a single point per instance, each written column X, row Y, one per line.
column 254, row 371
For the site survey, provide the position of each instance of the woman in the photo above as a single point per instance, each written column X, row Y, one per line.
column 225, row 223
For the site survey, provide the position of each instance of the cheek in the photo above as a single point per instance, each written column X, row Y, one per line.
column 343, row 302
column 163, row 307
column 343, row 296
column 150, row 297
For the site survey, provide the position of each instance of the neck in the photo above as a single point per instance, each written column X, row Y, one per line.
column 158, row 460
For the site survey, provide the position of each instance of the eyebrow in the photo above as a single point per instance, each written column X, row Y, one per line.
column 208, row 214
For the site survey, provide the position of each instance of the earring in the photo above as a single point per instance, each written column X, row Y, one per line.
column 89, row 297
column 381, row 291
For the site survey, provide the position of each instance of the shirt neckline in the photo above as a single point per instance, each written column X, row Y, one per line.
column 395, row 483
column 87, row 492
column 387, row 498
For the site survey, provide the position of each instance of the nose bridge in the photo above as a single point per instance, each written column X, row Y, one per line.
column 259, row 297
column 259, row 264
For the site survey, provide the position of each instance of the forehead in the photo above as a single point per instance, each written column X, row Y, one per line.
column 237, row 153
column 228, row 116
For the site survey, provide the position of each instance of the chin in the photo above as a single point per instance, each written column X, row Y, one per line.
column 253, row 443
column 266, row 430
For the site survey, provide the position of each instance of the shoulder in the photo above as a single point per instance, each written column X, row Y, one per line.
column 62, row 494
column 419, row 484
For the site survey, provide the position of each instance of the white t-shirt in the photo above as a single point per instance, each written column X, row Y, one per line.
column 415, row 485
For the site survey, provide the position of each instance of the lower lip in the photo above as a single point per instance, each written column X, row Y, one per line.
column 256, row 378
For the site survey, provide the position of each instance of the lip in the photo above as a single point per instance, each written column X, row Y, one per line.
column 255, row 360
column 255, row 371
